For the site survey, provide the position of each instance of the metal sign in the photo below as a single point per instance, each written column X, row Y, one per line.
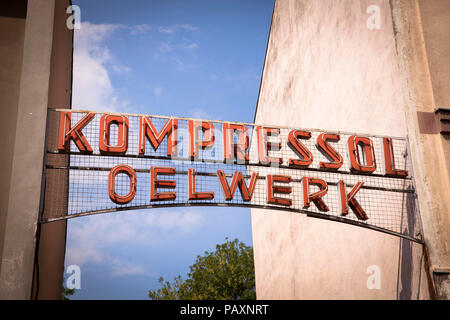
column 128, row 161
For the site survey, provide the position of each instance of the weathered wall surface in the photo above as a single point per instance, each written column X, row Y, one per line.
column 325, row 68
column 35, row 74
column 12, row 30
column 328, row 70
column 52, row 240
column 24, row 197
column 422, row 29
column 435, row 22
column 298, row 257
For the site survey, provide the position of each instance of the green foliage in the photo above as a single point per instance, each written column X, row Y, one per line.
column 175, row 291
column 225, row 274
column 67, row 292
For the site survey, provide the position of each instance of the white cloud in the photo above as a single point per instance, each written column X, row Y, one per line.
column 140, row 29
column 165, row 47
column 121, row 268
column 181, row 222
column 92, row 64
column 199, row 113
column 189, row 46
column 166, row 52
column 169, row 47
column 120, row 69
column 90, row 237
column 178, row 27
column 175, row 52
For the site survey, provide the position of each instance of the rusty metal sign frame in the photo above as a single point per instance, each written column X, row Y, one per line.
column 375, row 183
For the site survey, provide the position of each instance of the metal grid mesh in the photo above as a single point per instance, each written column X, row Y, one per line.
column 389, row 202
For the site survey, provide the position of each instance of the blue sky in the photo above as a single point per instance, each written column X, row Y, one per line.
column 189, row 58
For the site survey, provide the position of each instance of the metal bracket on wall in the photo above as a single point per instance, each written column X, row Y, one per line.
column 434, row 122
column 441, row 270
column 443, row 119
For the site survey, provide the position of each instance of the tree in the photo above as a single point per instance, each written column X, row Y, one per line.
column 226, row 274
column 67, row 292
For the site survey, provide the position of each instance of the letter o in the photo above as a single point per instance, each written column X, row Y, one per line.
column 356, row 157
column 129, row 171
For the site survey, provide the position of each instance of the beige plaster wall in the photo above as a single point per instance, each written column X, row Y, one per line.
column 422, row 29
column 326, row 69
column 435, row 22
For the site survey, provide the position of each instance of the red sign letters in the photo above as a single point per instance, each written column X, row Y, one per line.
column 360, row 152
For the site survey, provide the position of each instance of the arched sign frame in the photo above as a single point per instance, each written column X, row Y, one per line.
column 124, row 162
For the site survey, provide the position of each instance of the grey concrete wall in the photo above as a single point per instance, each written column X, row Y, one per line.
column 12, row 30
column 326, row 69
column 27, row 157
column 52, row 239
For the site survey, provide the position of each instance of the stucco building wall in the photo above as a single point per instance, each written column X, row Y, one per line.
column 327, row 68
column 421, row 34
column 12, row 30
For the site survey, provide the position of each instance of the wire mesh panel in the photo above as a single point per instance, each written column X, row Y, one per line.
column 120, row 162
